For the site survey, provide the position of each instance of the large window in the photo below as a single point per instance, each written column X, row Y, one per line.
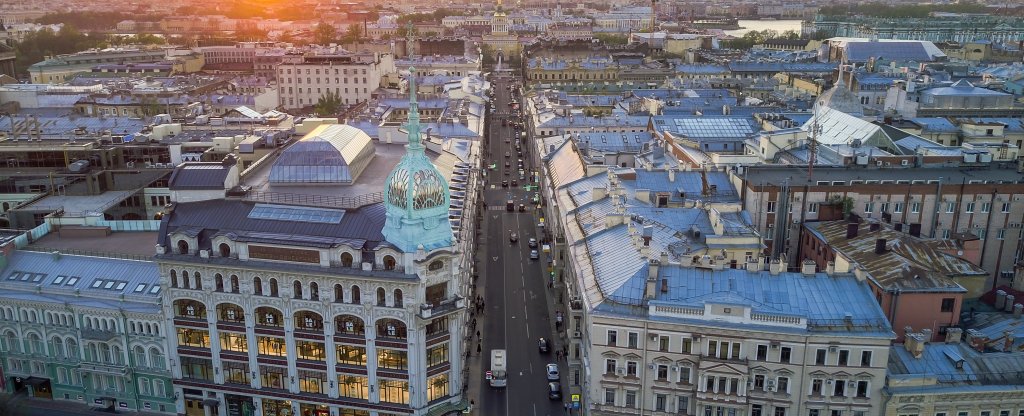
column 271, row 346
column 233, row 342
column 230, row 313
column 392, row 359
column 236, row 373
column 437, row 355
column 188, row 337
column 312, row 381
column 273, row 377
column 356, row 387
column 349, row 325
column 437, row 387
column 394, row 391
column 310, row 350
column 196, row 368
column 269, row 317
column 351, row 355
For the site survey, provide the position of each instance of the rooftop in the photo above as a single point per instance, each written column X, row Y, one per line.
column 909, row 263
column 776, row 175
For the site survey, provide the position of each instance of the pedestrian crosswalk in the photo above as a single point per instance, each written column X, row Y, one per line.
column 502, row 208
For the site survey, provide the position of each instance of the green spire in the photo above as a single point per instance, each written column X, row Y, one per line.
column 413, row 126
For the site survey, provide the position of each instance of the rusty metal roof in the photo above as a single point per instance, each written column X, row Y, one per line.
column 909, row 263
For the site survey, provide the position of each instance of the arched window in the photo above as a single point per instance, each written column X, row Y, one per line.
column 225, row 250
column 58, row 347
column 398, row 298
column 35, row 344
column 72, row 348
column 140, row 356
column 310, row 321
column 218, row 281
column 391, row 328
column 257, row 286
column 273, row 287
column 185, row 283
column 268, row 316
column 182, row 247
column 234, row 284
column 339, row 294
column 156, row 359
column 381, row 297
column 199, row 281
column 297, row 289
column 174, row 278
column 346, row 260
column 314, row 291
column 355, row 294
column 389, row 263
column 435, row 265
column 190, row 309
column 230, row 312
column 11, row 342
column 349, row 325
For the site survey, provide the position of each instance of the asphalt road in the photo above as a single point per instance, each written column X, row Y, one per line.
column 515, row 291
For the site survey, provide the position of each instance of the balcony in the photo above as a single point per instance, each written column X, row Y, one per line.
column 98, row 335
column 445, row 307
column 103, row 368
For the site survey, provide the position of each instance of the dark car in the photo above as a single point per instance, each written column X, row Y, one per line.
column 554, row 391
column 533, row 244
column 515, row 182
column 542, row 346
column 513, row 238
column 504, row 184
column 522, row 208
column 507, row 164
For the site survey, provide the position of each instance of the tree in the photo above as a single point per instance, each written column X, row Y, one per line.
column 329, row 104
column 353, row 34
column 324, row 34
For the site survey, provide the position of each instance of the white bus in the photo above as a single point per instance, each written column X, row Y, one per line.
column 498, row 375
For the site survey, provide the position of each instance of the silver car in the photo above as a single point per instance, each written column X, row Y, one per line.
column 552, row 370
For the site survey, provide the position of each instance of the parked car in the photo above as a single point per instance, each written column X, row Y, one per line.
column 554, row 391
column 552, row 372
column 543, row 346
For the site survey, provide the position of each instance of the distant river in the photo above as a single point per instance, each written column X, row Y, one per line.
column 776, row 25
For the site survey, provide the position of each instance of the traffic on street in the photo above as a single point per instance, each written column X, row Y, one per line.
column 521, row 357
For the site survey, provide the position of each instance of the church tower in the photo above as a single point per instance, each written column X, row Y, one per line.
column 416, row 195
column 499, row 23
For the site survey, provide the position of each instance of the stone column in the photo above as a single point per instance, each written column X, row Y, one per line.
column 332, row 355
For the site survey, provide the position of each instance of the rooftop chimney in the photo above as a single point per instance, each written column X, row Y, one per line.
column 927, row 333
column 1009, row 303
column 915, row 229
column 1018, row 309
column 599, row 193
column 914, row 343
column 851, row 230
column 953, row 335
column 671, row 175
column 875, row 226
column 808, row 267
column 880, row 246
column 775, row 267
column 652, row 278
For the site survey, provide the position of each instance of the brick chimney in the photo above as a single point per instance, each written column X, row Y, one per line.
column 953, row 335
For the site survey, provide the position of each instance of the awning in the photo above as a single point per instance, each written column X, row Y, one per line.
column 35, row 381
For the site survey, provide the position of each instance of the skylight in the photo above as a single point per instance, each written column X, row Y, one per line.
column 153, row 290
column 97, row 283
column 297, row 214
column 140, row 287
column 59, row 279
column 72, row 281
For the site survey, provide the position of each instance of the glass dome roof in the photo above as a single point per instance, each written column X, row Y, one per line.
column 328, row 154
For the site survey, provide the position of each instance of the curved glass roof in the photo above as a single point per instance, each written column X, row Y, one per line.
column 328, row 154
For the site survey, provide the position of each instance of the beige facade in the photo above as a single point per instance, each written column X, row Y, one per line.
column 353, row 77
column 640, row 366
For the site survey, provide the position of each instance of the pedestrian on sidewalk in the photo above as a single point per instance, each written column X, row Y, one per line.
column 478, row 348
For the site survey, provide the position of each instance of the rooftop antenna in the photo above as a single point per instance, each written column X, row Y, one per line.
column 812, row 145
